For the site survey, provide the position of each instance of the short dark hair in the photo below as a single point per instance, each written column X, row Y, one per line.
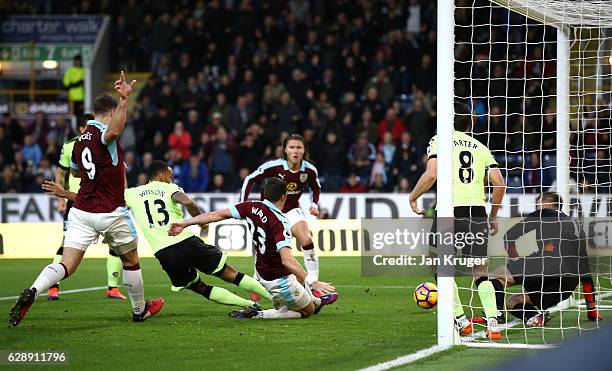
column 156, row 167
column 551, row 198
column 82, row 120
column 103, row 104
column 274, row 189
column 463, row 117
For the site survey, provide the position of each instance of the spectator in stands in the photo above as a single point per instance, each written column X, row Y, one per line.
column 379, row 167
column 39, row 129
column 403, row 186
column 425, row 76
column 180, row 140
column 46, row 169
column 219, row 185
column 374, row 105
column 378, row 184
column 35, row 186
column 368, row 126
column 158, row 147
column 162, row 37
column 383, row 85
column 288, row 115
column 162, row 123
column 274, row 86
column 361, row 155
column 194, row 175
column 169, row 100
column 391, row 124
column 9, row 182
column 420, row 124
column 220, row 109
column 406, row 160
column 332, row 163
column 388, row 147
column 353, row 185
column 194, row 125
column 142, row 179
column 14, row 130
column 31, row 151
column 150, row 89
column 6, row 150
column 132, row 170
column 222, row 158
column 249, row 153
column 240, row 116
column 147, row 158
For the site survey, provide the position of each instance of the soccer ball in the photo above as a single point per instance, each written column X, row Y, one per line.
column 426, row 295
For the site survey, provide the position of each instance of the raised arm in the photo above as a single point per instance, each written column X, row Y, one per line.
column 202, row 219
column 115, row 128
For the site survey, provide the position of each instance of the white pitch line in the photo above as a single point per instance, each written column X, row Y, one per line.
column 406, row 359
column 63, row 292
column 409, row 358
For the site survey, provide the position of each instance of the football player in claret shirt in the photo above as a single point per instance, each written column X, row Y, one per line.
column 548, row 275
column 276, row 268
column 65, row 178
column 99, row 208
column 298, row 174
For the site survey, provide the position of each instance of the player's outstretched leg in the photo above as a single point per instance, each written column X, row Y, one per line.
column 255, row 312
column 245, row 282
column 302, row 232
column 132, row 280
column 218, row 294
column 49, row 276
column 53, row 292
column 113, row 273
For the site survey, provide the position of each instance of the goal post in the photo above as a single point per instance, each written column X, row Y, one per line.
column 445, row 128
column 538, row 76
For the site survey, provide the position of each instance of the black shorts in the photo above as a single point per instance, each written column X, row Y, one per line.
column 69, row 204
column 544, row 292
column 472, row 219
column 182, row 260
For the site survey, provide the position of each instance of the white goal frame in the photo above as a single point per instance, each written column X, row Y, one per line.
column 582, row 15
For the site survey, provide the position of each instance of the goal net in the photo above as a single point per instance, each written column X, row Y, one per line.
column 537, row 75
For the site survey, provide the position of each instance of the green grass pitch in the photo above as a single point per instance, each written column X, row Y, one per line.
column 375, row 320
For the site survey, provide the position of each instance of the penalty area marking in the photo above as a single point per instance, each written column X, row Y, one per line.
column 409, row 358
column 63, row 292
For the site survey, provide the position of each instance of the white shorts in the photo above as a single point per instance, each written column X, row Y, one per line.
column 286, row 292
column 295, row 216
column 117, row 229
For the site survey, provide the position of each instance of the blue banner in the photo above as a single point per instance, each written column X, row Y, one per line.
column 50, row 29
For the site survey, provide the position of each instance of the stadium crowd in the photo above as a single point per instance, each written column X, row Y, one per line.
column 230, row 79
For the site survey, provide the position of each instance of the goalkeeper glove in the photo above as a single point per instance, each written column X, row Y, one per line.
column 589, row 299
